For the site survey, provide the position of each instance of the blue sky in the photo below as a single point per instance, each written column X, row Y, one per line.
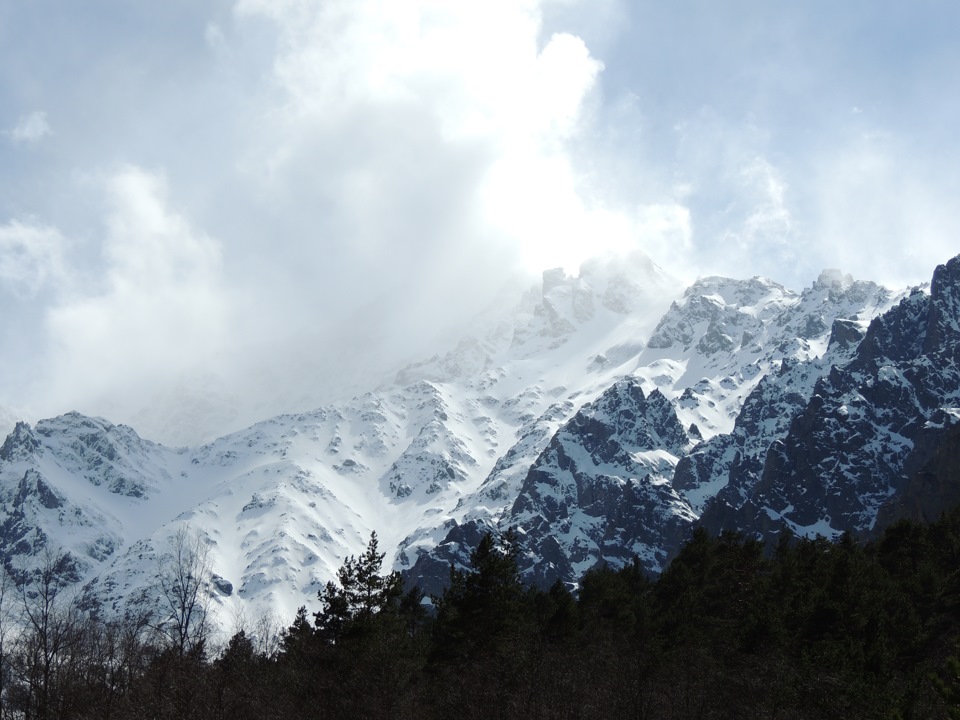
column 257, row 197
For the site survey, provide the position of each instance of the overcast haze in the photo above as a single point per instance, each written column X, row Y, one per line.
column 275, row 200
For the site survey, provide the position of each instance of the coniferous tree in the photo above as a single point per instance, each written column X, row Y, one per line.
column 949, row 687
column 359, row 595
column 484, row 603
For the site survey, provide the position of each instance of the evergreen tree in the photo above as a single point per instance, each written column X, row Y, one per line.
column 361, row 593
column 949, row 688
column 485, row 603
column 297, row 639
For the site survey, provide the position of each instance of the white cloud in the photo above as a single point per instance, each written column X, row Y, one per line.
column 215, row 38
column 391, row 168
column 737, row 202
column 159, row 310
column 375, row 92
column 353, row 177
column 31, row 128
column 767, row 226
column 149, row 247
column 883, row 212
column 665, row 232
column 31, row 255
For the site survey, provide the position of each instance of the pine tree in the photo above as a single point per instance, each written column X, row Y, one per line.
column 485, row 604
column 359, row 595
column 949, row 689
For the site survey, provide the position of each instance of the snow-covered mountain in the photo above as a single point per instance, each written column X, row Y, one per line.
column 281, row 504
column 867, row 427
column 601, row 419
column 715, row 352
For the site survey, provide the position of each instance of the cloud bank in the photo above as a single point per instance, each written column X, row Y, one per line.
column 31, row 128
column 249, row 207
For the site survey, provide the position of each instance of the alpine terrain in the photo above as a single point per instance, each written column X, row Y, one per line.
column 577, row 421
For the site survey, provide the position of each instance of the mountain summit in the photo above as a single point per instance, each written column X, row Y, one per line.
column 601, row 420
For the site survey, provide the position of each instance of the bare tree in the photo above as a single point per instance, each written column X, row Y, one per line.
column 267, row 631
column 9, row 621
column 183, row 573
column 49, row 646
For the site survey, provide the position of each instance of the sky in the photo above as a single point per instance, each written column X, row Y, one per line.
column 214, row 209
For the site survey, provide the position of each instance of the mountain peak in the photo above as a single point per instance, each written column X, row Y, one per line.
column 553, row 278
column 20, row 444
column 834, row 279
column 943, row 325
column 559, row 420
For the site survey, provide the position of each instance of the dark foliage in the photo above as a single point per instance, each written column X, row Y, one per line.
column 809, row 630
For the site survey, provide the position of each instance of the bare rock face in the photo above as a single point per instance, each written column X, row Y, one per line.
column 740, row 353
column 751, row 408
column 20, row 445
column 931, row 490
column 38, row 516
column 601, row 491
column 875, row 431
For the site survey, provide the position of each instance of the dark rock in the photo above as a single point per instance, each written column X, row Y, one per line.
column 431, row 571
column 845, row 334
column 20, row 444
column 874, row 429
column 594, row 497
column 222, row 586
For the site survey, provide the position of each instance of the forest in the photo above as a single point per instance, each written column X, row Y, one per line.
column 732, row 629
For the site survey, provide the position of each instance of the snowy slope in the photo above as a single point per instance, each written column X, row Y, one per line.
column 281, row 504
column 713, row 348
column 601, row 491
column 708, row 354
column 725, row 469
column 500, row 431
column 84, row 485
column 869, row 425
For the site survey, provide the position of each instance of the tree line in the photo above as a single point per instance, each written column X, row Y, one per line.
column 807, row 629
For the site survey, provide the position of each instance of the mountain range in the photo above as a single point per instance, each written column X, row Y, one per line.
column 590, row 432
